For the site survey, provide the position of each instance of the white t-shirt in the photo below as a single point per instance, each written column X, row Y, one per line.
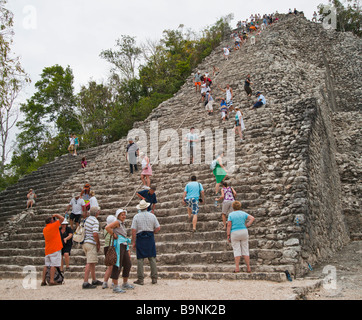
column 77, row 205
column 71, row 140
column 93, row 202
column 226, row 51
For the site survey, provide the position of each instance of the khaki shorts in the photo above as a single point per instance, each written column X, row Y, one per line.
column 90, row 251
column 209, row 106
column 227, row 207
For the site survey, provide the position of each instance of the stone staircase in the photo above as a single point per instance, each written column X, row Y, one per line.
column 43, row 181
column 276, row 171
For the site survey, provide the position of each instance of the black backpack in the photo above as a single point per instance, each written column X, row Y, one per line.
column 58, row 276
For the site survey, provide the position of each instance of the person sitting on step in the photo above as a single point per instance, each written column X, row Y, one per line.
column 260, row 102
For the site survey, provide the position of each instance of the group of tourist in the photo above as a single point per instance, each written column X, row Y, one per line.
column 85, row 209
column 58, row 237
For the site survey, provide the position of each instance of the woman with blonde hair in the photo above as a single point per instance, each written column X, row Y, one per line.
column 237, row 234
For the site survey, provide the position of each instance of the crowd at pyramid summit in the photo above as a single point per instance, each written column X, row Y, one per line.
column 80, row 223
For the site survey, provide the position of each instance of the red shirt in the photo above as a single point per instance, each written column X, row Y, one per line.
column 53, row 240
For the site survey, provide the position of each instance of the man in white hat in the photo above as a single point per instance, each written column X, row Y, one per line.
column 144, row 226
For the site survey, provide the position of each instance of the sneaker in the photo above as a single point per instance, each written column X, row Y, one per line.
column 97, row 283
column 138, row 282
column 87, row 285
column 127, row 286
column 104, row 285
column 117, row 289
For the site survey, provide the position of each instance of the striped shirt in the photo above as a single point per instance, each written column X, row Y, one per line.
column 144, row 221
column 91, row 226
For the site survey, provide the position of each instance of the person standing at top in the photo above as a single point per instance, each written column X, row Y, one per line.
column 53, row 247
column 144, row 226
column 197, row 81
column 71, row 144
column 132, row 152
column 191, row 197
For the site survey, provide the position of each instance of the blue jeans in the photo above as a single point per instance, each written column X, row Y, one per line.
column 258, row 104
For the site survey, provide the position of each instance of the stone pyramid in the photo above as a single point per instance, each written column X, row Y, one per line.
column 297, row 172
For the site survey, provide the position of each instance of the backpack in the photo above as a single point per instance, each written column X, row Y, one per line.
column 213, row 164
column 79, row 234
column 58, row 276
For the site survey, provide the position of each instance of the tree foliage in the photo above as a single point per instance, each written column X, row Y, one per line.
column 12, row 79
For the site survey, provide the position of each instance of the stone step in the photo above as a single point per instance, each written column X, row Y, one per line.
column 77, row 273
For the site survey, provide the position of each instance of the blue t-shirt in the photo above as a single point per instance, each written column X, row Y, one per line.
column 237, row 219
column 150, row 198
column 262, row 99
column 193, row 190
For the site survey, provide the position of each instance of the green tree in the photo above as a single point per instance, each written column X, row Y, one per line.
column 124, row 58
column 12, row 80
column 49, row 118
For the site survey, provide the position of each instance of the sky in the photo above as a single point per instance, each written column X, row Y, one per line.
column 75, row 32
